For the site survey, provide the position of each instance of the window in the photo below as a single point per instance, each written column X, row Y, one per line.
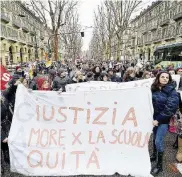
column 4, row 47
column 14, row 34
column 3, row 30
column 16, row 48
column 164, row 32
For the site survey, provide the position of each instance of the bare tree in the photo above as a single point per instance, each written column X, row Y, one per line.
column 112, row 19
column 53, row 13
column 71, row 36
column 122, row 11
column 104, row 30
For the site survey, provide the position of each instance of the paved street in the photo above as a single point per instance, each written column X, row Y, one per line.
column 169, row 158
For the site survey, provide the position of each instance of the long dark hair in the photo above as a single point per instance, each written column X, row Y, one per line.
column 155, row 86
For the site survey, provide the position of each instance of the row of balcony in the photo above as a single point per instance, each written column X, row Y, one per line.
column 161, row 23
column 158, row 38
column 17, row 36
column 163, row 19
column 17, row 23
column 162, row 34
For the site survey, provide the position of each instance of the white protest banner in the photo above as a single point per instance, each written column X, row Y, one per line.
column 94, row 85
column 86, row 133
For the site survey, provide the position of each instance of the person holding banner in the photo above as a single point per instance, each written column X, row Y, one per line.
column 5, row 126
column 7, row 109
column 165, row 103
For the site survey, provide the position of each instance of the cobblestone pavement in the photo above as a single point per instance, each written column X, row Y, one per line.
column 168, row 158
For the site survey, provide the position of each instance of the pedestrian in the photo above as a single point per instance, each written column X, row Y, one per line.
column 179, row 72
column 97, row 73
column 89, row 76
column 165, row 103
column 7, row 109
column 43, row 84
column 60, row 81
column 130, row 75
column 105, row 77
column 147, row 75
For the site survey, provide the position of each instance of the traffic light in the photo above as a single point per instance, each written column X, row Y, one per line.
column 50, row 53
column 82, row 34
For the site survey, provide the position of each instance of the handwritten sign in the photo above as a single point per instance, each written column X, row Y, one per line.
column 88, row 133
column 94, row 85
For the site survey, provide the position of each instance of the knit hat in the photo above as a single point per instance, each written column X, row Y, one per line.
column 17, row 67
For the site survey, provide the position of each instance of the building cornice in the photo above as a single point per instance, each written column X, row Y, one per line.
column 29, row 11
column 154, row 4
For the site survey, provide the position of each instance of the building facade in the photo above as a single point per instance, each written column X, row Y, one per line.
column 23, row 36
column 160, row 24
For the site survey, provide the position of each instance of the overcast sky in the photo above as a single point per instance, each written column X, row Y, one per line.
column 86, row 12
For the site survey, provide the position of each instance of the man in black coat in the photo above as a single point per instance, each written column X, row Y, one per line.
column 7, row 108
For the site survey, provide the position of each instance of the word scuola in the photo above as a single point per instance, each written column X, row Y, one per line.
column 45, row 138
column 56, row 138
column 60, row 115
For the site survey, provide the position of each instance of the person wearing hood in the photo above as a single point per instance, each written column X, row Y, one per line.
column 89, row 76
column 60, row 81
column 165, row 103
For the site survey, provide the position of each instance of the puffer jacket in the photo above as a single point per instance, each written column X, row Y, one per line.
column 165, row 103
column 60, row 83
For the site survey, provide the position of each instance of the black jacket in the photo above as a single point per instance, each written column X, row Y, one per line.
column 6, row 117
column 165, row 103
column 60, row 83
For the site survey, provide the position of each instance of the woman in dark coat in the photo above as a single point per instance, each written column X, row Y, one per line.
column 165, row 103
column 7, row 108
column 5, row 127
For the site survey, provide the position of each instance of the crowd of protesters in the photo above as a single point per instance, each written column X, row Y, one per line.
column 166, row 100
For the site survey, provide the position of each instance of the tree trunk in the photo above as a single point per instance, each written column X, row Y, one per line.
column 56, row 46
column 109, row 56
column 118, row 50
